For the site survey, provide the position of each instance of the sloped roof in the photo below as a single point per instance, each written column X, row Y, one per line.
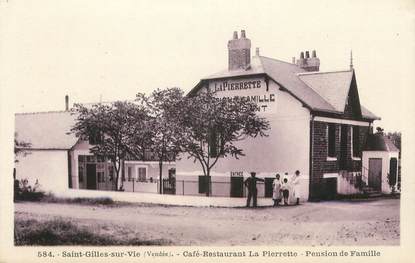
column 320, row 91
column 368, row 114
column 332, row 86
column 46, row 130
column 379, row 142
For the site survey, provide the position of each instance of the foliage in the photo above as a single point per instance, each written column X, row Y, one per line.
column 392, row 182
column 112, row 127
column 163, row 127
column 63, row 232
column 379, row 130
column 213, row 125
column 106, row 201
column 20, row 147
column 23, row 191
column 395, row 137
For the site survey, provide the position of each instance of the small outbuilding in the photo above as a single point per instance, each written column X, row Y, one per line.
column 380, row 163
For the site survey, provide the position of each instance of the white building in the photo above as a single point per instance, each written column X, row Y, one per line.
column 318, row 126
column 59, row 160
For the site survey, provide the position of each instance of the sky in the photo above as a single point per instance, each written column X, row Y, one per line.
column 110, row 50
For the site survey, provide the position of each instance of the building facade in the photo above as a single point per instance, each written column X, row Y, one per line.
column 59, row 161
column 318, row 126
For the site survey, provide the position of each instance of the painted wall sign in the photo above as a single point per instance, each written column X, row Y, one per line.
column 237, row 85
column 237, row 174
column 255, row 90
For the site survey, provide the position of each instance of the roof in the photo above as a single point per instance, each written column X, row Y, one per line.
column 332, row 86
column 46, row 130
column 319, row 91
column 379, row 142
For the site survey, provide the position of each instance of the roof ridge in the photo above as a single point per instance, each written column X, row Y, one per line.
column 321, row 72
column 40, row 112
column 279, row 60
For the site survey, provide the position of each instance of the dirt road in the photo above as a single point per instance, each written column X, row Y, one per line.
column 326, row 223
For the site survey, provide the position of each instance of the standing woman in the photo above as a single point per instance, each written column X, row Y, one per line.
column 276, row 190
column 296, row 186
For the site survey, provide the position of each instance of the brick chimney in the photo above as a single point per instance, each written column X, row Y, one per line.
column 309, row 63
column 239, row 52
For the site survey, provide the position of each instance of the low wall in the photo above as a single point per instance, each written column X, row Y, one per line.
column 180, row 200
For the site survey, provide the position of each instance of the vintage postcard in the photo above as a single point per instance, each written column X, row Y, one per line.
column 207, row 131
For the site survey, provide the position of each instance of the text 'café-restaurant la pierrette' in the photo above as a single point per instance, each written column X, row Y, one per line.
column 318, row 127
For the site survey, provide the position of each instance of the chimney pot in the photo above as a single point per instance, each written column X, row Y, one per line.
column 314, row 54
column 243, row 34
column 302, row 55
column 66, row 102
column 307, row 54
column 235, row 35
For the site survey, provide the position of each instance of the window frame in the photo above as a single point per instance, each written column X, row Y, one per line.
column 138, row 179
column 333, row 157
column 352, row 138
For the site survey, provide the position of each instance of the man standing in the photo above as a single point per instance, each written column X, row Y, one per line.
column 250, row 183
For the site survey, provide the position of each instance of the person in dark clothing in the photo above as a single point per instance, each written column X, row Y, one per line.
column 250, row 183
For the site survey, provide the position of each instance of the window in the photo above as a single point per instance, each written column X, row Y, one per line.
column 91, row 158
column 129, row 173
column 100, row 172
column 101, row 177
column 142, row 174
column 215, row 144
column 81, row 169
column 356, row 141
column 331, row 133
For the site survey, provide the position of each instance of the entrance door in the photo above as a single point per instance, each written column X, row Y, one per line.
column 268, row 186
column 343, row 147
column 375, row 173
column 393, row 169
column 91, row 176
column 237, row 186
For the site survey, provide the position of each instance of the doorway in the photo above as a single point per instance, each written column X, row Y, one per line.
column 268, row 186
column 375, row 173
column 91, row 176
column 237, row 186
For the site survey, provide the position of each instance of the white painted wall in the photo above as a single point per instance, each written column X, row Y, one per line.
column 286, row 149
column 385, row 156
column 152, row 172
column 49, row 167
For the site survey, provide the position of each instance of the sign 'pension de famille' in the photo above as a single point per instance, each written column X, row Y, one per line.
column 248, row 89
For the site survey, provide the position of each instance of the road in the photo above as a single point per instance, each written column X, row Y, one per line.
column 331, row 223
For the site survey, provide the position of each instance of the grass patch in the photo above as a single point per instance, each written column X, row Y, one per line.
column 60, row 232
column 78, row 200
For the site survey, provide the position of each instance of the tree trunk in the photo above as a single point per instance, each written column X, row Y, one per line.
column 208, row 181
column 161, row 175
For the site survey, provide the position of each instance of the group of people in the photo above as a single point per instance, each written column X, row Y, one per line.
column 281, row 189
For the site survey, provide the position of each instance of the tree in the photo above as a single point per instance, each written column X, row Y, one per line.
column 213, row 125
column 109, row 128
column 20, row 147
column 164, row 130
column 395, row 137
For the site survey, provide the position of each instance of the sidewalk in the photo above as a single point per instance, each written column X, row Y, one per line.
column 180, row 200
